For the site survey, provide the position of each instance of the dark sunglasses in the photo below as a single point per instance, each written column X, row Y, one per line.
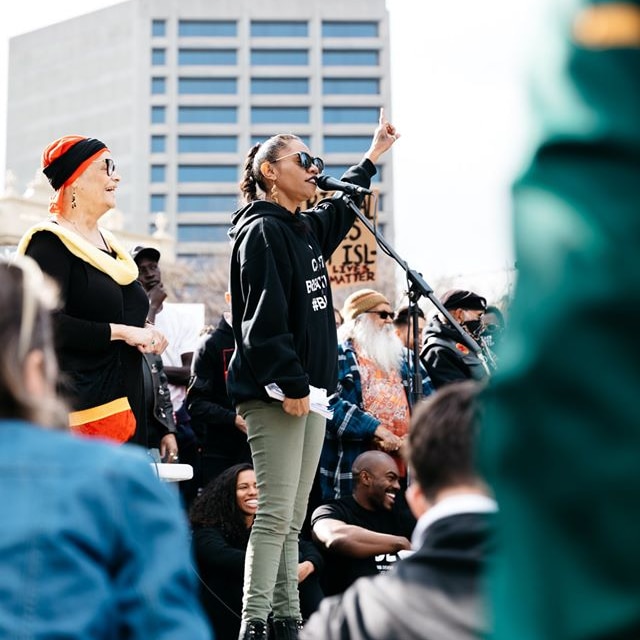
column 384, row 315
column 109, row 164
column 492, row 328
column 305, row 160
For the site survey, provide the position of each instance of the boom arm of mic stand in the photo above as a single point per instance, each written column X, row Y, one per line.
column 418, row 283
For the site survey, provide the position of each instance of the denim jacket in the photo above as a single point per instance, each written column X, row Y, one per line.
column 93, row 546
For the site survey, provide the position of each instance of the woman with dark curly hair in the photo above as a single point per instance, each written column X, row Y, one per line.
column 221, row 518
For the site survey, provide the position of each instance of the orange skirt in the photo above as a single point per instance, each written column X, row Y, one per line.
column 113, row 420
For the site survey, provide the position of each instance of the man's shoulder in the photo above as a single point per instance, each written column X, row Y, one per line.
column 338, row 509
column 398, row 604
column 346, row 347
column 380, row 607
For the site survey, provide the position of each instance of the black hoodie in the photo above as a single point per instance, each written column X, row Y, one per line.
column 281, row 307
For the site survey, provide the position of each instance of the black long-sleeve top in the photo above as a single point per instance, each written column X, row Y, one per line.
column 91, row 300
column 212, row 414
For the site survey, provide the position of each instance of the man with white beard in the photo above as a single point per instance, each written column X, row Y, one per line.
column 371, row 409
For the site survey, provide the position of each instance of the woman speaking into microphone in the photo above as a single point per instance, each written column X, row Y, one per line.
column 284, row 328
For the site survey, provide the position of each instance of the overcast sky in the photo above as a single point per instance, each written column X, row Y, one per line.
column 459, row 83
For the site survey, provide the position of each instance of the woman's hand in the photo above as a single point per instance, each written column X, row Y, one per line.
column 305, row 569
column 296, row 406
column 240, row 424
column 169, row 449
column 383, row 138
column 146, row 339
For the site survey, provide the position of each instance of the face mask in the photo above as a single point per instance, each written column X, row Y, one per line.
column 473, row 326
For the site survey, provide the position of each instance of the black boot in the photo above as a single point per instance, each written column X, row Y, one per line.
column 286, row 628
column 253, row 630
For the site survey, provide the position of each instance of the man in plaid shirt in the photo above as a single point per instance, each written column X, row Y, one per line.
column 371, row 408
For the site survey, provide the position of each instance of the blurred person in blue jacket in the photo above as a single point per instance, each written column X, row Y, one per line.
column 93, row 546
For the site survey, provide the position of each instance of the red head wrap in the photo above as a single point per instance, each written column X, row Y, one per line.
column 65, row 159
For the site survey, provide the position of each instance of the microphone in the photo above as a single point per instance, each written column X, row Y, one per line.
column 327, row 183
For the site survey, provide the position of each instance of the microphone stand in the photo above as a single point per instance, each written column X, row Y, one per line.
column 418, row 288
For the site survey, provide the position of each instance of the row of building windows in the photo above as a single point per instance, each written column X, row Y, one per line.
column 268, row 86
column 209, row 233
column 267, row 115
column 205, row 202
column 203, row 233
column 269, row 57
column 267, row 29
column 229, row 144
column 223, row 172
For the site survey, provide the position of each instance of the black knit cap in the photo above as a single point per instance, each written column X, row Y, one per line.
column 460, row 299
column 402, row 314
column 62, row 168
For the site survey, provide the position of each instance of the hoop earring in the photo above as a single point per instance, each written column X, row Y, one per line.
column 274, row 193
column 74, row 203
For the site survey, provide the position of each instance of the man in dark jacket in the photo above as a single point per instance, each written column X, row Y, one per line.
column 221, row 432
column 435, row 593
column 444, row 355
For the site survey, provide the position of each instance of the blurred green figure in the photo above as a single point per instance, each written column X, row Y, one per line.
column 561, row 443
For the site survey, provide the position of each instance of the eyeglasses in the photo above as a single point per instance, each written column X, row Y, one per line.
column 109, row 164
column 383, row 315
column 491, row 328
column 305, row 160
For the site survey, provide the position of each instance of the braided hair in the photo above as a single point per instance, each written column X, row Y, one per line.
column 217, row 506
column 266, row 151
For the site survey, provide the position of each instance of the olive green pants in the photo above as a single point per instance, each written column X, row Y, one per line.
column 286, row 452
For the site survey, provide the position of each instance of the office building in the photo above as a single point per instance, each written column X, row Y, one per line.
column 180, row 90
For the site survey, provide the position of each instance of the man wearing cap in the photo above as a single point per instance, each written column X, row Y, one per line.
column 446, row 358
column 372, row 407
column 182, row 334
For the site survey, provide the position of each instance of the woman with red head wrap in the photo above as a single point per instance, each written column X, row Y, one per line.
column 100, row 328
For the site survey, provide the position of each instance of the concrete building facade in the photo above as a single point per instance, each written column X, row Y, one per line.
column 181, row 89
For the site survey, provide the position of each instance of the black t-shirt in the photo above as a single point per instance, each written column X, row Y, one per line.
column 340, row 570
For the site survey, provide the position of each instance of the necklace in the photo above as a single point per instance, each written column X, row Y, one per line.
column 104, row 246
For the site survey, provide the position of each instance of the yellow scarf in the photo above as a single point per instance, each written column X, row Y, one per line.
column 122, row 270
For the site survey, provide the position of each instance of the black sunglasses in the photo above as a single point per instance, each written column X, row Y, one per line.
column 110, row 165
column 492, row 328
column 305, row 160
column 384, row 315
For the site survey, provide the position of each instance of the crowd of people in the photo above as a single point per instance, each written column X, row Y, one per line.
column 266, row 548
column 284, row 508
column 377, row 523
